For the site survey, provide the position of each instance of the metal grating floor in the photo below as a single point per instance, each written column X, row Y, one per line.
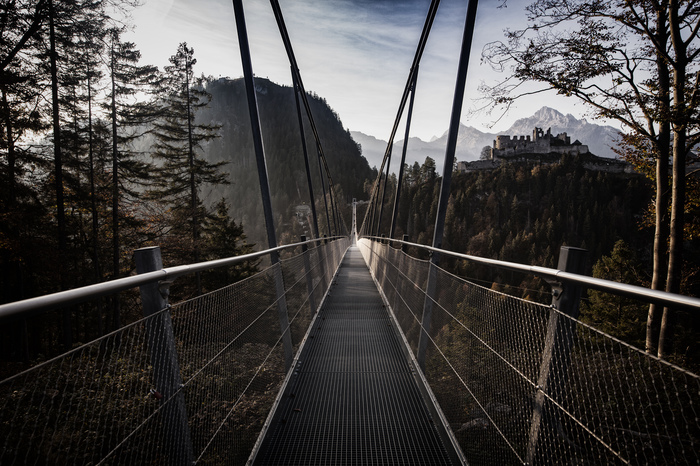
column 353, row 398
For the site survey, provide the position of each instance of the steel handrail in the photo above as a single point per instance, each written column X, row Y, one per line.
column 60, row 299
column 556, row 275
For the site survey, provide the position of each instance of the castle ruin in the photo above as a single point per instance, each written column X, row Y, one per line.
column 539, row 143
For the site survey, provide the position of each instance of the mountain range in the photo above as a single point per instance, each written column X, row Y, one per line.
column 599, row 138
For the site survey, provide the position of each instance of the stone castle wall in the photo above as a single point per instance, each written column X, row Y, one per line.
column 539, row 143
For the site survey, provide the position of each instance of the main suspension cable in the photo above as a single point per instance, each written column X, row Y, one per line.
column 302, row 91
column 430, row 18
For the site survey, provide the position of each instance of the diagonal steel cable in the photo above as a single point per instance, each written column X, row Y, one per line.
column 425, row 33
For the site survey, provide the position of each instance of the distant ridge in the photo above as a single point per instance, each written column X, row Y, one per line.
column 470, row 141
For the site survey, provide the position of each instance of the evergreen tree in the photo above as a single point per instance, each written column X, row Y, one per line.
column 223, row 238
column 68, row 24
column 619, row 316
column 21, row 210
column 127, row 117
column 179, row 142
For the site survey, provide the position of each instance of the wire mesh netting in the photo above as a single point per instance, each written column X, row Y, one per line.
column 495, row 365
column 120, row 400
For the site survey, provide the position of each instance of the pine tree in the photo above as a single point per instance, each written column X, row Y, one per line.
column 69, row 23
column 223, row 238
column 179, row 141
column 619, row 316
column 128, row 116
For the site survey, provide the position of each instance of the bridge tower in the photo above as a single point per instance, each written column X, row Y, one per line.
column 353, row 231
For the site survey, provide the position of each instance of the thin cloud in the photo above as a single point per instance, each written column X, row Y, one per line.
column 354, row 53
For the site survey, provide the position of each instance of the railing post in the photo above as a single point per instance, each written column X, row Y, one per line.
column 309, row 276
column 282, row 312
column 166, row 369
column 556, row 355
column 404, row 248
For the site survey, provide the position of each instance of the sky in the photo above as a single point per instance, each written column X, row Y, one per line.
column 354, row 53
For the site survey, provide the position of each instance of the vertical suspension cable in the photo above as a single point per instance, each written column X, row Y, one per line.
column 386, row 183
column 414, row 69
column 446, row 179
column 302, row 92
column 375, row 206
column 312, row 198
column 397, row 197
column 375, row 200
column 333, row 210
column 325, row 199
column 334, row 200
column 249, row 79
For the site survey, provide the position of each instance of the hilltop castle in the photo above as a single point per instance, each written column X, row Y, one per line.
column 542, row 148
column 540, row 143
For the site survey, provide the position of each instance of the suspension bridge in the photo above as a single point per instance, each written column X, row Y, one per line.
column 351, row 349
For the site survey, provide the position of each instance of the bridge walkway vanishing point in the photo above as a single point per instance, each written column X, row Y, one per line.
column 354, row 396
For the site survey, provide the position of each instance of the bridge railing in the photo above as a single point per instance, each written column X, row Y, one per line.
column 190, row 382
column 522, row 382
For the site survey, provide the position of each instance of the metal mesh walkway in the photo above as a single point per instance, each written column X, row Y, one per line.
column 353, row 397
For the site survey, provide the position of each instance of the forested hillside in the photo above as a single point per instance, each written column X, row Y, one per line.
column 523, row 212
column 283, row 151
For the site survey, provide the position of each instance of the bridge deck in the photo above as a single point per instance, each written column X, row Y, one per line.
column 354, row 398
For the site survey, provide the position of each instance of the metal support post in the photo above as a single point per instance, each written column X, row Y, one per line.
column 309, row 276
column 404, row 248
column 447, row 176
column 263, row 178
column 166, row 369
column 426, row 319
column 557, row 347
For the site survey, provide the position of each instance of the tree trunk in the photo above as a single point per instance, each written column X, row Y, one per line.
column 115, row 194
column 660, row 267
column 193, row 181
column 679, row 118
column 93, row 203
column 58, row 172
column 11, row 156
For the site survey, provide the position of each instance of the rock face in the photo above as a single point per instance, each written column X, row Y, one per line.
column 471, row 141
